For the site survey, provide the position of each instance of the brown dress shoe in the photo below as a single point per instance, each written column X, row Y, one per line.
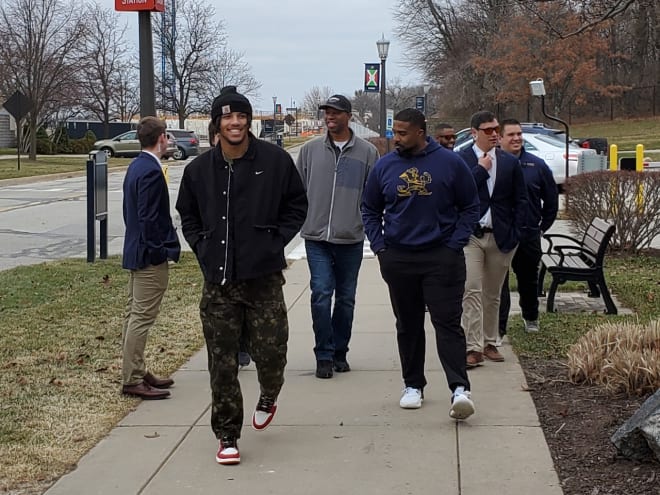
column 474, row 358
column 158, row 382
column 492, row 354
column 145, row 391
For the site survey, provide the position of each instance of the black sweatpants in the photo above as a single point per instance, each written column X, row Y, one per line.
column 525, row 265
column 434, row 278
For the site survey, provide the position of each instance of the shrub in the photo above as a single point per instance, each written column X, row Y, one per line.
column 631, row 200
column 83, row 145
column 622, row 357
column 44, row 143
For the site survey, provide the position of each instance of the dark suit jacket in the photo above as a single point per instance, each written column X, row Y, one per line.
column 508, row 204
column 150, row 237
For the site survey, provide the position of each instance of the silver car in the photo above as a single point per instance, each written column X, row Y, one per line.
column 127, row 145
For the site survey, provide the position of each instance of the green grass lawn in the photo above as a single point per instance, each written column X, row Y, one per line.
column 49, row 165
column 626, row 134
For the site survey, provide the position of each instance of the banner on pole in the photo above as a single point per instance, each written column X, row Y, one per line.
column 371, row 78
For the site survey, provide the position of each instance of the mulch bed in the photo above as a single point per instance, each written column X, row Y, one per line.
column 578, row 422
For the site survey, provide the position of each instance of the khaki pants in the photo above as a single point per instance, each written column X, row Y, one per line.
column 486, row 268
column 146, row 288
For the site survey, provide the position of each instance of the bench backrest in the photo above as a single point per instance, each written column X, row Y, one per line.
column 596, row 239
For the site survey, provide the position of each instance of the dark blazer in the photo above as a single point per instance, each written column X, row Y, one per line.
column 508, row 204
column 150, row 237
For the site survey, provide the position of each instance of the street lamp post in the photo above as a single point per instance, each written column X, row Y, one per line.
column 274, row 117
column 383, row 47
column 427, row 88
column 538, row 89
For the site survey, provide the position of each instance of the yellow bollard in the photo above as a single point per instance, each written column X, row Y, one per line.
column 164, row 166
column 639, row 157
column 614, row 151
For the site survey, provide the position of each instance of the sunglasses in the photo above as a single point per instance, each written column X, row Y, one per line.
column 489, row 130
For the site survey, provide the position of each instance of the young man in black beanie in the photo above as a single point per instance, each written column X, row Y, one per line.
column 240, row 204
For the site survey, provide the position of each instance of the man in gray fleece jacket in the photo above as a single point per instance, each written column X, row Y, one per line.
column 334, row 170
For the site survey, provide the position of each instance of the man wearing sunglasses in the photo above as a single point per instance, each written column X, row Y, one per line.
column 445, row 135
column 503, row 202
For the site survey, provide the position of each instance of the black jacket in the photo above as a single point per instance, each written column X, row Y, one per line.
column 541, row 194
column 238, row 219
column 508, row 204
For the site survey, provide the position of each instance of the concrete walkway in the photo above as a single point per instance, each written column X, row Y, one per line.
column 346, row 435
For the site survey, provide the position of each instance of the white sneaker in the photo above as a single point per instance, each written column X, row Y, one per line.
column 462, row 406
column 532, row 326
column 412, row 398
column 498, row 341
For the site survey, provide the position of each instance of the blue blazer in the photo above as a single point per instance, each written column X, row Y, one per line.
column 508, row 204
column 150, row 237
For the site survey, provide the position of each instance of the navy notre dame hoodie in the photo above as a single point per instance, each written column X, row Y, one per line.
column 420, row 201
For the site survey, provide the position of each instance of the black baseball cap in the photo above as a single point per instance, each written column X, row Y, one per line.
column 338, row 102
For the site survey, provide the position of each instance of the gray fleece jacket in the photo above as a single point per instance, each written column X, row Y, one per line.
column 334, row 181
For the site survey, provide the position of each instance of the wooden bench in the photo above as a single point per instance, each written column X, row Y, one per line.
column 578, row 261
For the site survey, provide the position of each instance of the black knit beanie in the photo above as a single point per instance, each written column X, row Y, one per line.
column 228, row 101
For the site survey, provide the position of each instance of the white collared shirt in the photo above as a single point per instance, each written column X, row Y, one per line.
column 487, row 219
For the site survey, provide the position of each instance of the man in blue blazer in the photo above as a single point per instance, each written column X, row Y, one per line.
column 503, row 202
column 149, row 242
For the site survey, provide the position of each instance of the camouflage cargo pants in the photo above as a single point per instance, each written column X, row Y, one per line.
column 258, row 305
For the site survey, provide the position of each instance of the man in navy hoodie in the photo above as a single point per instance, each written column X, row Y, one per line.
column 419, row 208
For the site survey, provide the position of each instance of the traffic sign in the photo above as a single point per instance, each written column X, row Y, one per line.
column 18, row 105
column 390, row 120
column 389, row 134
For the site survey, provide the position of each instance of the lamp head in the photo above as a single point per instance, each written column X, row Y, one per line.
column 537, row 87
column 383, row 47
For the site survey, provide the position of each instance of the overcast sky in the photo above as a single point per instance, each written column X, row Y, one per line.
column 293, row 45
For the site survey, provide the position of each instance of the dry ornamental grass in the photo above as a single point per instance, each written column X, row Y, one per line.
column 622, row 357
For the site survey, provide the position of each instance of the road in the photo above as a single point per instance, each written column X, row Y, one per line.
column 44, row 221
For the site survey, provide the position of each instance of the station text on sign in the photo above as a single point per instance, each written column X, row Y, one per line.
column 136, row 5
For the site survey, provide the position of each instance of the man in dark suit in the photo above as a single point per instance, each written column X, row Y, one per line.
column 150, row 241
column 503, row 201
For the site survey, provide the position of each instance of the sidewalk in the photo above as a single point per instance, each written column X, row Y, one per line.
column 346, row 435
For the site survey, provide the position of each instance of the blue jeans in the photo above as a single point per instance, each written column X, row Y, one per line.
column 334, row 269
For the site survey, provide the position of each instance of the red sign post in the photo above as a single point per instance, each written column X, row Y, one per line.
column 138, row 5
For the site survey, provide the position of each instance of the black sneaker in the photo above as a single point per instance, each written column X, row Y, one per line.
column 342, row 366
column 324, row 369
column 243, row 359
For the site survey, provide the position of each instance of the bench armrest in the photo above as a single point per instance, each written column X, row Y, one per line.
column 567, row 250
column 550, row 237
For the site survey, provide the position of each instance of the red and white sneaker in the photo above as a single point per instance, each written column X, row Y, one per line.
column 228, row 451
column 264, row 412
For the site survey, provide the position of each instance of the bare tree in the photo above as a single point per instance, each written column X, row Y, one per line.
column 38, row 41
column 366, row 107
column 230, row 68
column 126, row 95
column 104, row 52
column 315, row 97
column 189, row 48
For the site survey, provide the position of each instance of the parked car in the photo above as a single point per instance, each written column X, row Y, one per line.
column 187, row 143
column 125, row 144
column 552, row 149
column 128, row 145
